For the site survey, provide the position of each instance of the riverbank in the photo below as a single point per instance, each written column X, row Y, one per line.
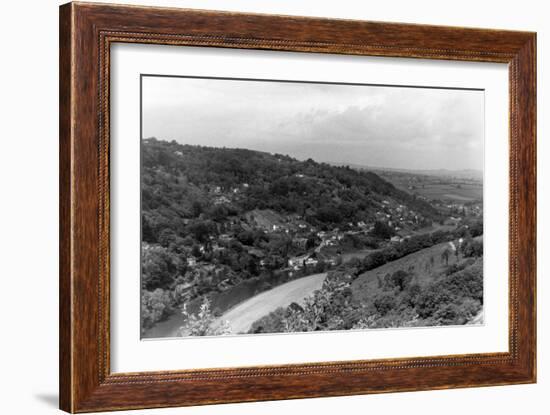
column 241, row 316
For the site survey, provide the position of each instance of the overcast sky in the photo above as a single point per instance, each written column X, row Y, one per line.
column 379, row 126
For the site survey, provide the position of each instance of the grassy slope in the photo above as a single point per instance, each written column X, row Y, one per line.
column 366, row 285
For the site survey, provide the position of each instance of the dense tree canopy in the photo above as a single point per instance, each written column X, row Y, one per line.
column 181, row 182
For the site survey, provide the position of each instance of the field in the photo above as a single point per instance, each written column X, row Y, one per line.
column 464, row 193
column 433, row 187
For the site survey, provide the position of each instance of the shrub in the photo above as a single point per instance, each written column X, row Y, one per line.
column 203, row 323
column 396, row 318
column 457, row 314
column 384, row 303
column 155, row 306
column 272, row 323
column 430, row 300
column 473, row 248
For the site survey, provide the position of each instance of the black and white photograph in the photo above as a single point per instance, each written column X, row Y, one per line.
column 279, row 206
column 275, row 207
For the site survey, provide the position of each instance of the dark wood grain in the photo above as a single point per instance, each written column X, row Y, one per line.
column 65, row 245
column 86, row 33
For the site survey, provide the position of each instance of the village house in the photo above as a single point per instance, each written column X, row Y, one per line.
column 300, row 242
column 225, row 237
column 332, row 261
column 221, row 200
column 311, row 261
column 330, row 242
column 217, row 248
column 297, row 262
column 452, row 221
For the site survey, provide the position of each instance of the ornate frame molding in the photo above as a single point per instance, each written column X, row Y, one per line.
column 87, row 31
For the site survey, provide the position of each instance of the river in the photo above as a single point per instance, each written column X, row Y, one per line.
column 243, row 315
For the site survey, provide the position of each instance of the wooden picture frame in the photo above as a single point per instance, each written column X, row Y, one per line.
column 86, row 33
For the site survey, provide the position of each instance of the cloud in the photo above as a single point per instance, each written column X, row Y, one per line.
column 380, row 126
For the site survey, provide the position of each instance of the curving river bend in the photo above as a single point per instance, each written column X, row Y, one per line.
column 243, row 315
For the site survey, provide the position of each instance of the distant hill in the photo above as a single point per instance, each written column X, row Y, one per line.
column 459, row 174
column 184, row 182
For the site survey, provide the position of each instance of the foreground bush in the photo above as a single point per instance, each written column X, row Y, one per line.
column 203, row 323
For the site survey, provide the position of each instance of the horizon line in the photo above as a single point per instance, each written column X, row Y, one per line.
column 334, row 163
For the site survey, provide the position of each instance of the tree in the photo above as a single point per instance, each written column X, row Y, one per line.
column 201, row 230
column 472, row 248
column 445, row 256
column 196, row 208
column 329, row 214
column 147, row 232
column 155, row 305
column 218, row 213
column 401, row 279
column 382, row 230
column 196, row 251
column 160, row 267
column 167, row 237
column 246, row 237
column 476, row 228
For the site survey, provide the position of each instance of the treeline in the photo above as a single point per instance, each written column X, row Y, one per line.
column 415, row 243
